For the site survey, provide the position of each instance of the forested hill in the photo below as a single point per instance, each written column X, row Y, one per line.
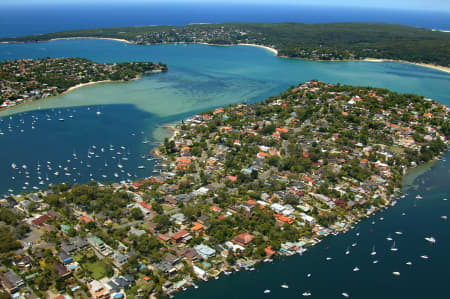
column 332, row 41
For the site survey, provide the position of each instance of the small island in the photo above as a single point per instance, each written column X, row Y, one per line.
column 329, row 42
column 32, row 79
column 240, row 185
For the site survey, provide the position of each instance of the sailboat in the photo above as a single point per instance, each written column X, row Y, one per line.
column 393, row 248
column 373, row 251
column 356, row 269
column 347, row 252
column 389, row 238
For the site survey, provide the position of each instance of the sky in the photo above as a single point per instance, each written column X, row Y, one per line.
column 437, row 5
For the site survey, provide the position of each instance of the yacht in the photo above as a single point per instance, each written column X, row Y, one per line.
column 329, row 258
column 373, row 251
column 266, row 291
column 389, row 238
column 356, row 269
column 375, row 262
column 308, row 275
column 345, row 295
column 347, row 252
column 396, row 273
column 431, row 240
column 306, row 294
column 285, row 286
column 418, row 196
column 409, row 263
column 444, row 217
column 354, row 244
column 399, row 233
column 425, row 257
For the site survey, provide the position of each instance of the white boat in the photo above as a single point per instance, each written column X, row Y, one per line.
column 409, row 263
column 393, row 248
column 389, row 238
column 444, row 199
column 399, row 233
column 425, row 257
column 396, row 273
column 306, row 294
column 329, row 258
column 345, row 295
column 373, row 251
column 381, row 218
column 285, row 286
column 375, row 262
column 354, row 244
column 418, row 196
column 357, row 234
column 13, row 166
column 308, row 275
column 430, row 239
column 266, row 291
column 347, row 252
column 444, row 217
column 356, row 269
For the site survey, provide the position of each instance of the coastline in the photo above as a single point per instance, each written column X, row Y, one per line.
column 81, row 37
column 432, row 66
column 273, row 50
column 83, row 85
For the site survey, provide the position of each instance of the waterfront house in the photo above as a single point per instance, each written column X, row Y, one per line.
column 243, row 239
column 205, row 251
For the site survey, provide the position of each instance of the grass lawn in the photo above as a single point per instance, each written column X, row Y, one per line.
column 97, row 269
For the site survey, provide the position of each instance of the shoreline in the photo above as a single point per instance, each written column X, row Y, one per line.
column 83, row 85
column 432, row 66
column 273, row 50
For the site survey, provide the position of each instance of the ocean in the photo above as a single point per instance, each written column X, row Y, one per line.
column 17, row 20
column 204, row 77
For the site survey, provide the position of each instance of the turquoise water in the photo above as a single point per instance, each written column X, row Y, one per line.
column 203, row 77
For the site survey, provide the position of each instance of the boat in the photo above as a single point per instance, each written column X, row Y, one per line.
column 266, row 291
column 381, row 218
column 308, row 275
column 329, row 258
column 306, row 294
column 141, row 167
column 356, row 269
column 444, row 217
column 347, row 252
column 13, row 166
column 418, row 196
column 399, row 233
column 396, row 273
column 409, row 263
column 345, row 295
column 430, row 239
column 61, row 119
column 444, row 199
column 354, row 244
column 393, row 248
column 375, row 262
column 373, row 251
column 389, row 238
column 425, row 257
column 285, row 286
column 357, row 234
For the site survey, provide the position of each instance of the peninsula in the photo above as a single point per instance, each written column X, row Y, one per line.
column 331, row 42
column 27, row 79
column 239, row 185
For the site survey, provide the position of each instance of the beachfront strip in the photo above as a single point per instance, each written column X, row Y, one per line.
column 32, row 79
column 239, row 185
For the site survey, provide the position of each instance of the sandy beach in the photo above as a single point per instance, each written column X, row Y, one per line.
column 84, row 84
column 274, row 51
column 436, row 67
column 80, row 37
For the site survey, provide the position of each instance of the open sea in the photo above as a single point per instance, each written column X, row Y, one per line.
column 106, row 125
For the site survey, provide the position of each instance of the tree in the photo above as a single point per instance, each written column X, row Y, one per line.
column 137, row 214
